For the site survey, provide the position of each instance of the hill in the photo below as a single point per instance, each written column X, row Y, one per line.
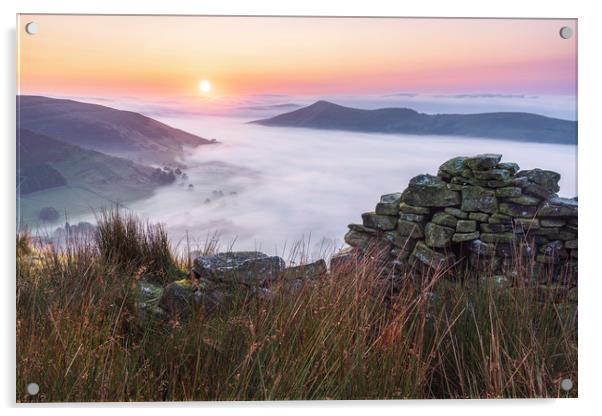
column 61, row 175
column 502, row 125
column 104, row 129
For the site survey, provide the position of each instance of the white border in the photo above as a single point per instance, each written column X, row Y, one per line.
column 590, row 177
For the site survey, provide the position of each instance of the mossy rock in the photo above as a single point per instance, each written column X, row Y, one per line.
column 482, row 162
column 443, row 218
column 357, row 238
column 515, row 210
column 498, row 237
column 478, row 216
column 362, row 229
column 452, row 167
column 429, row 191
column 463, row 237
column 458, row 213
column 410, row 229
column 379, row 222
column 438, row 236
column 545, row 178
column 410, row 209
column 524, row 200
column 466, row 226
column 476, row 198
column 508, row 192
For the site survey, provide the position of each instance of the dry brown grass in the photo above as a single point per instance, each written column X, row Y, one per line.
column 78, row 336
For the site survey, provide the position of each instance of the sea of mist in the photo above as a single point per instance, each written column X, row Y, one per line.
column 267, row 188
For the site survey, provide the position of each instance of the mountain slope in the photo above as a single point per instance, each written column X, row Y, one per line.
column 44, row 162
column 503, row 125
column 105, row 129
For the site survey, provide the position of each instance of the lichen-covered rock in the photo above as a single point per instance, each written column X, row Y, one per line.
column 507, row 237
column 481, row 208
column 393, row 198
column 389, row 204
column 463, row 237
column 409, row 209
column 246, row 267
column 524, row 200
column 515, row 210
column 379, row 222
column 398, row 240
column 493, row 174
column 458, row 213
column 412, row 217
column 483, row 162
column 510, row 166
column 545, row 178
column 431, row 258
column 508, row 192
column 438, row 236
column 357, row 238
column 410, row 229
column 443, row 218
column 537, row 190
column 429, row 191
column 498, row 218
column 526, row 224
column 362, row 229
column 466, row 226
column 452, row 167
column 559, row 207
column 476, row 198
column 495, row 228
column 479, row 216
column 384, row 208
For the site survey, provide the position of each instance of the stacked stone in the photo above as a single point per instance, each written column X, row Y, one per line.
column 476, row 210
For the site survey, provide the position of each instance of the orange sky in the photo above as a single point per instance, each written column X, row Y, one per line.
column 166, row 57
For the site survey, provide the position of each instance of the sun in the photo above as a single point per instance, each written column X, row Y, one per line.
column 205, row 86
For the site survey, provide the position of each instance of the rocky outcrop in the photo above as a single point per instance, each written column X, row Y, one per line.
column 477, row 212
column 215, row 278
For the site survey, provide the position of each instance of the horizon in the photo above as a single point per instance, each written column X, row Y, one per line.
column 216, row 64
column 494, row 103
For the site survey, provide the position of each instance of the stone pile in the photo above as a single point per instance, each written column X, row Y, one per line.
column 216, row 277
column 477, row 212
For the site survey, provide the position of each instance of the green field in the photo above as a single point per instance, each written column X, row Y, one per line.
column 69, row 201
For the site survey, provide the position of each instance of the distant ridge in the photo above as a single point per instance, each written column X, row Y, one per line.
column 502, row 125
column 104, row 129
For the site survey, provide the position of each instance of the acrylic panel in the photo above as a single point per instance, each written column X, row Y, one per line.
column 295, row 208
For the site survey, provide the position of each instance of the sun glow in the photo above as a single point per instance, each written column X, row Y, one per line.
column 205, row 86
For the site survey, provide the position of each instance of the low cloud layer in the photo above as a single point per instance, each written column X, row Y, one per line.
column 266, row 188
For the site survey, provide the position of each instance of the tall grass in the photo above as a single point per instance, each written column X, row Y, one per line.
column 345, row 337
column 124, row 240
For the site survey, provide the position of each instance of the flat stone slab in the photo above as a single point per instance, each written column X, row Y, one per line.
column 246, row 267
column 483, row 161
column 429, row 191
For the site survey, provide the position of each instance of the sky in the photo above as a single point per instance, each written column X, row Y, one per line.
column 166, row 57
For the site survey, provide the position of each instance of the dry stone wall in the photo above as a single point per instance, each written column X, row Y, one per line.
column 477, row 212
